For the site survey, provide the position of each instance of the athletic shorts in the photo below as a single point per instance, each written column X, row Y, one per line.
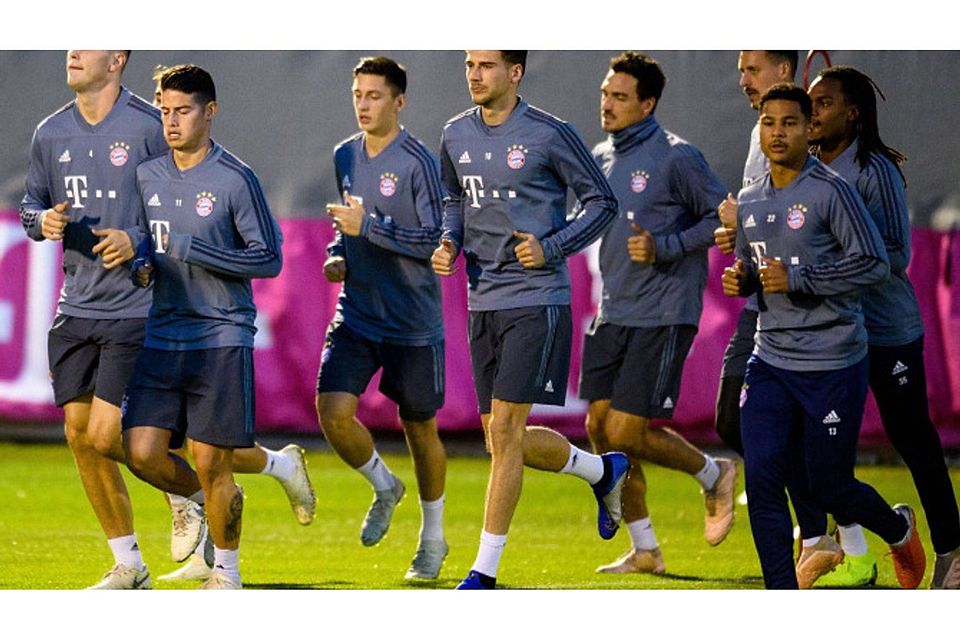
column 521, row 355
column 741, row 344
column 412, row 376
column 93, row 355
column 637, row 368
column 206, row 395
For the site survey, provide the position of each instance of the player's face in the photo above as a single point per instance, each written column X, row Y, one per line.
column 489, row 77
column 620, row 104
column 784, row 133
column 88, row 70
column 758, row 72
column 833, row 119
column 374, row 104
column 186, row 122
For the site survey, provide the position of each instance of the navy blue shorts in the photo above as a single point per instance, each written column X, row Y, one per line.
column 206, row 395
column 741, row 344
column 413, row 377
column 521, row 355
column 95, row 355
column 637, row 368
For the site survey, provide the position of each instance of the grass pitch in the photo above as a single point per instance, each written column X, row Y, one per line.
column 51, row 540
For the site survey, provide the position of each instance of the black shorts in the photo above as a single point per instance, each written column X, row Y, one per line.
column 521, row 355
column 637, row 368
column 741, row 344
column 206, row 395
column 413, row 377
column 95, row 355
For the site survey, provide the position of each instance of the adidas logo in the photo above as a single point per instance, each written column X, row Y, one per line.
column 832, row 418
column 668, row 403
column 65, row 156
column 750, row 222
column 154, row 201
column 899, row 368
column 464, row 158
column 549, row 387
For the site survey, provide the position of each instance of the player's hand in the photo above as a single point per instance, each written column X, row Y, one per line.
column 53, row 221
column 725, row 239
column 529, row 252
column 773, row 276
column 347, row 219
column 728, row 212
column 734, row 278
column 443, row 257
column 115, row 248
column 335, row 269
column 642, row 247
column 143, row 275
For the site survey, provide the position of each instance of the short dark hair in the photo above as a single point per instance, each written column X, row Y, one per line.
column 189, row 79
column 515, row 57
column 390, row 70
column 791, row 92
column 649, row 75
column 790, row 57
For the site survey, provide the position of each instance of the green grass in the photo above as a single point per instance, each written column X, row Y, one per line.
column 45, row 519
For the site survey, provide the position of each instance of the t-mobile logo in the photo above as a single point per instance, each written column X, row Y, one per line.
column 159, row 229
column 474, row 186
column 76, row 189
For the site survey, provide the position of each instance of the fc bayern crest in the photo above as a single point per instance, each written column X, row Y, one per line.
column 796, row 217
column 119, row 154
column 388, row 184
column 204, row 204
column 516, row 156
column 638, row 181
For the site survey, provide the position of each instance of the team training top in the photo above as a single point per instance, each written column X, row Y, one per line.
column 890, row 309
column 93, row 167
column 665, row 186
column 514, row 177
column 220, row 235
column 391, row 293
column 818, row 226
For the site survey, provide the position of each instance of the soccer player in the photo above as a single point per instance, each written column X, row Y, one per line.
column 212, row 232
column 189, row 540
column 807, row 243
column 81, row 191
column 846, row 136
column 759, row 70
column 507, row 166
column 653, row 262
column 388, row 315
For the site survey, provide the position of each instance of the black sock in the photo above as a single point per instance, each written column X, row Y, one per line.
column 607, row 473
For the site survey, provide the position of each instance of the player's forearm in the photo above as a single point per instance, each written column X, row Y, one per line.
column 846, row 276
column 255, row 261
column 597, row 214
column 30, row 219
column 416, row 242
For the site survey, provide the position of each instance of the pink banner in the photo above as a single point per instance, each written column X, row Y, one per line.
column 295, row 308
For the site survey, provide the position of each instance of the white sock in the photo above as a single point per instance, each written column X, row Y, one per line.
column 852, row 540
column 488, row 556
column 707, row 477
column 376, row 472
column 431, row 524
column 811, row 542
column 176, row 501
column 197, row 497
column 126, row 551
column 278, row 465
column 641, row 534
column 227, row 561
column 584, row 464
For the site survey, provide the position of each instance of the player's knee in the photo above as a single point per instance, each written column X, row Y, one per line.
column 333, row 416
column 503, row 436
column 105, row 438
column 141, row 459
column 76, row 433
column 629, row 437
